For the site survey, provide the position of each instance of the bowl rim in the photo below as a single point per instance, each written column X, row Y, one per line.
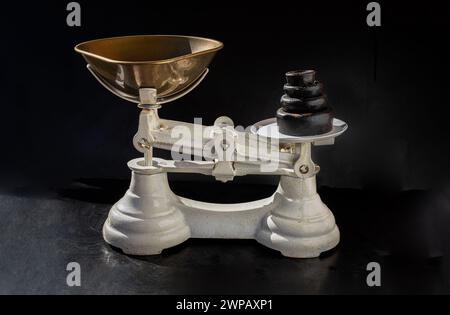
column 78, row 49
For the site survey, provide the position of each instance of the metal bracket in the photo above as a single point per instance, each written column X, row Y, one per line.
column 224, row 171
column 148, row 122
column 304, row 167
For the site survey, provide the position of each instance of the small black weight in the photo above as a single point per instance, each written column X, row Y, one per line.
column 306, row 124
column 304, row 91
column 301, row 77
column 304, row 108
column 310, row 105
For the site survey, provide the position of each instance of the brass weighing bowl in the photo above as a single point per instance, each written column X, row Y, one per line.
column 172, row 64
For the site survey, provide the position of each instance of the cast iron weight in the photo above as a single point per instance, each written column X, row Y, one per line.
column 304, row 108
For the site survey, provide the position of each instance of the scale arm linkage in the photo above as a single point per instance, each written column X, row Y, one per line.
column 200, row 140
column 207, row 168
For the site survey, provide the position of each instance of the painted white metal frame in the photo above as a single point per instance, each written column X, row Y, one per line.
column 150, row 217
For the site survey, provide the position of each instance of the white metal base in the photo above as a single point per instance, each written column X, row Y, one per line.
column 146, row 220
column 300, row 225
column 150, row 218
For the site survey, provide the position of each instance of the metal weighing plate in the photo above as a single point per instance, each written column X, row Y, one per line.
column 268, row 128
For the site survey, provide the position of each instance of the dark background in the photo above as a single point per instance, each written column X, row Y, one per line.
column 389, row 83
column 387, row 177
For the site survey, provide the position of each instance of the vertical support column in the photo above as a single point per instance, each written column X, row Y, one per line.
column 148, row 121
column 147, row 219
column 300, row 224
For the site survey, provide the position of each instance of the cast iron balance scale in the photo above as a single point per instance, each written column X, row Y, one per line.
column 152, row 70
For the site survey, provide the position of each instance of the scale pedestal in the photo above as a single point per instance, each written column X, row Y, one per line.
column 150, row 217
column 299, row 225
column 146, row 220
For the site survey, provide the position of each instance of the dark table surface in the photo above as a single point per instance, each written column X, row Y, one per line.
column 43, row 230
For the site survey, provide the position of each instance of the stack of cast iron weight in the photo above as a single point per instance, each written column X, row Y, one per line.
column 304, row 108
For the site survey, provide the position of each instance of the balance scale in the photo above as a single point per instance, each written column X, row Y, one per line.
column 156, row 69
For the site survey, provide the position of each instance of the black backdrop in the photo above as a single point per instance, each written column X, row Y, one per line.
column 389, row 83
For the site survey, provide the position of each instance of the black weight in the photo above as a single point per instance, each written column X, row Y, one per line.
column 301, row 77
column 304, row 91
column 311, row 105
column 306, row 124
